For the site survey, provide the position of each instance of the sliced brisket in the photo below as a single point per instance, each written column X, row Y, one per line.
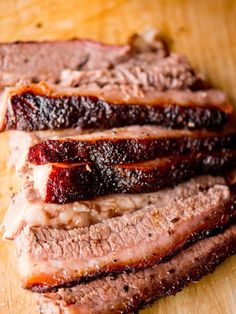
column 128, row 292
column 173, row 72
column 62, row 183
column 44, row 107
column 50, row 258
column 27, row 209
column 20, row 141
column 129, row 144
column 36, row 61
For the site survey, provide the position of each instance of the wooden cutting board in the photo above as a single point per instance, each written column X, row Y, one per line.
column 203, row 29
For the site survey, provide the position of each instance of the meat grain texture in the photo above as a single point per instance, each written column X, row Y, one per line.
column 50, row 257
column 128, row 292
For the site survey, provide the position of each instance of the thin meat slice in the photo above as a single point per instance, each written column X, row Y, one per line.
column 129, row 144
column 43, row 107
column 62, row 183
column 128, row 292
column 49, row 258
column 27, row 209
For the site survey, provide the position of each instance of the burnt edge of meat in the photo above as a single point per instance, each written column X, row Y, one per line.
column 118, row 151
column 39, row 288
column 31, row 112
column 70, row 184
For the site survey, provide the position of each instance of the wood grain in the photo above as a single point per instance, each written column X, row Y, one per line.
column 203, row 29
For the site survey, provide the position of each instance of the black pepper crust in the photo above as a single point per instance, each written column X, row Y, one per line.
column 166, row 288
column 30, row 112
column 83, row 181
column 127, row 150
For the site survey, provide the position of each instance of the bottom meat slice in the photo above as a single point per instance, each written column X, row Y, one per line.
column 128, row 292
column 50, row 258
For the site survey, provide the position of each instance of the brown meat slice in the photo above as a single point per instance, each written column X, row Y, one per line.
column 173, row 72
column 43, row 107
column 27, row 209
column 50, row 258
column 128, row 292
column 63, row 183
column 129, row 144
column 36, row 61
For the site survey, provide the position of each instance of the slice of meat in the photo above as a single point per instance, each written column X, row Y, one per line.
column 129, row 144
column 62, row 183
column 27, row 209
column 37, row 61
column 128, row 292
column 173, row 72
column 43, row 107
column 50, row 258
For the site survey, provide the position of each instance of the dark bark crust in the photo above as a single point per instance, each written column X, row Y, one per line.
column 31, row 112
column 68, row 184
column 119, row 151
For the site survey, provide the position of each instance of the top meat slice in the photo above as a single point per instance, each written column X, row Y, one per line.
column 146, row 86
column 36, row 61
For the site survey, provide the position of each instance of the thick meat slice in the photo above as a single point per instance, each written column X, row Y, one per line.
column 27, row 209
column 44, row 107
column 62, row 183
column 50, row 257
column 129, row 144
column 173, row 72
column 37, row 61
column 128, row 292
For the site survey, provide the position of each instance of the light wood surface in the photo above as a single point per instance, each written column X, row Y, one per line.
column 203, row 29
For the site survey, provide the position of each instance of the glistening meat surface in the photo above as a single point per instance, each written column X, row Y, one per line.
column 62, row 183
column 50, row 258
column 127, row 293
column 43, row 107
column 27, row 209
column 129, row 144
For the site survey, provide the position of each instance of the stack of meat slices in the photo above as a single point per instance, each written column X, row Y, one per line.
column 124, row 155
